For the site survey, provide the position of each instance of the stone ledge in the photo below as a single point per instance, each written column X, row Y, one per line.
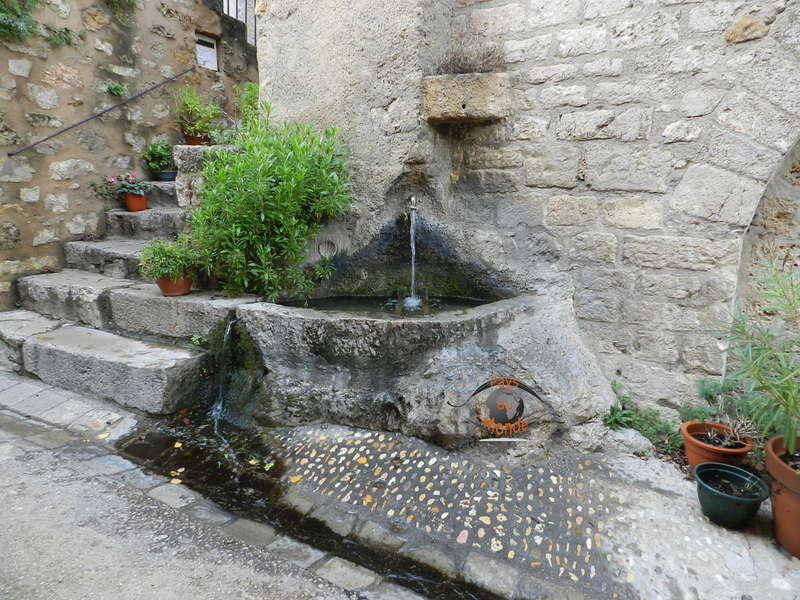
column 467, row 98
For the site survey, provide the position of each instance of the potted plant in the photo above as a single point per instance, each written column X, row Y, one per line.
column 194, row 116
column 158, row 158
column 170, row 264
column 133, row 192
column 705, row 440
column 729, row 496
column 765, row 356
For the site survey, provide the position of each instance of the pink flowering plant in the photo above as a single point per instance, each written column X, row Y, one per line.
column 129, row 185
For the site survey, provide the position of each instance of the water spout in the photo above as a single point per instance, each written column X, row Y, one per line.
column 413, row 301
column 218, row 409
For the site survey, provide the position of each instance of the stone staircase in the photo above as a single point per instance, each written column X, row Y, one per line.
column 95, row 327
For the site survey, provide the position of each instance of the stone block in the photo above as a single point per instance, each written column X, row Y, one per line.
column 436, row 559
column 571, row 210
column 17, row 393
column 37, row 404
column 70, row 295
column 70, row 169
column 30, row 195
column 20, row 68
column 759, row 120
column 594, row 306
column 603, row 279
column 176, row 496
column 605, row 8
column 493, row 158
column 713, row 16
column 208, row 513
column 557, row 96
column 498, row 20
column 618, row 167
column 717, row 195
column 632, row 213
column 604, row 67
column 110, row 464
column 58, row 203
column 161, row 223
column 250, row 532
column 65, row 413
column 681, row 131
column 583, row 40
column 471, row 97
column 378, row 537
column 9, row 236
column 44, row 236
column 91, row 142
column 490, row 573
column 736, row 153
column 43, row 120
column 703, row 354
column 346, row 574
column 142, row 309
column 551, row 73
column 597, row 247
column 665, row 285
column 388, row 591
column 15, row 327
column 115, row 258
column 551, row 165
column 16, row 169
column 620, row 93
column 542, row 13
column 529, row 49
column 338, row 521
column 143, row 375
column 656, row 29
column 632, row 124
column 295, row 552
column 43, row 97
column 588, row 125
column 695, row 254
column 699, row 102
column 672, row 317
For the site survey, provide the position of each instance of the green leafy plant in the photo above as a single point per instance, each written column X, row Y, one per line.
column 194, row 115
column 261, row 202
column 158, row 157
column 16, row 19
column 246, row 102
column 61, row 37
column 169, row 259
column 104, row 190
column 122, row 10
column 625, row 414
column 765, row 354
column 199, row 340
column 129, row 185
column 116, row 89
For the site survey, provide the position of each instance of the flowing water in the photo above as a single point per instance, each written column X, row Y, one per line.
column 218, row 409
column 413, row 302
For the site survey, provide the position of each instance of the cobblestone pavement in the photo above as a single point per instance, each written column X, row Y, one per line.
column 598, row 526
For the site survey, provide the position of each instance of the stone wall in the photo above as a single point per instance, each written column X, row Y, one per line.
column 642, row 138
column 45, row 193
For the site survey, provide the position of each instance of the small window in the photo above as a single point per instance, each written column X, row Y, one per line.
column 207, row 52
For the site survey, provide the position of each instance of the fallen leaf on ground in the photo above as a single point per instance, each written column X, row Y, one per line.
column 295, row 479
column 103, row 436
column 95, row 425
column 174, row 480
column 177, row 445
column 253, row 461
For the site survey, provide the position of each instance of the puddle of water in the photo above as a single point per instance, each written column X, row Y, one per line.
column 248, row 484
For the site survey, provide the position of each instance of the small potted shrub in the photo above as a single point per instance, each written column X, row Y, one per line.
column 706, row 440
column 170, row 264
column 765, row 357
column 158, row 158
column 133, row 192
column 194, row 116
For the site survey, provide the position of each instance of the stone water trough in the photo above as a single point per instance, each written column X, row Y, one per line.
column 415, row 376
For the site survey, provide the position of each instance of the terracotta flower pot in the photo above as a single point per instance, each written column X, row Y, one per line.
column 134, row 202
column 197, row 140
column 785, row 496
column 698, row 452
column 181, row 287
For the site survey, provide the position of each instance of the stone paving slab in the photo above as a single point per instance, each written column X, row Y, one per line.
column 113, row 257
column 15, row 327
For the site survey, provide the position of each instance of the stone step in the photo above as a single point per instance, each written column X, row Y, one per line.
column 148, row 376
column 16, row 326
column 141, row 309
column 70, row 294
column 163, row 223
column 113, row 257
column 162, row 195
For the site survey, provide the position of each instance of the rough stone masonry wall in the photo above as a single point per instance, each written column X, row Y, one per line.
column 45, row 197
column 639, row 147
column 643, row 139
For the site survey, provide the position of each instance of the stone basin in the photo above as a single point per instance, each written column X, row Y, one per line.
column 413, row 375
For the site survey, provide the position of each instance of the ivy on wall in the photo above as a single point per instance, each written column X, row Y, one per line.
column 16, row 19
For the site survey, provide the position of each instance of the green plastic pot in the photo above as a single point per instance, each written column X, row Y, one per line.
column 724, row 509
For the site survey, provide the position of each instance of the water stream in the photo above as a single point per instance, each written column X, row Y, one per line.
column 413, row 302
column 218, row 409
